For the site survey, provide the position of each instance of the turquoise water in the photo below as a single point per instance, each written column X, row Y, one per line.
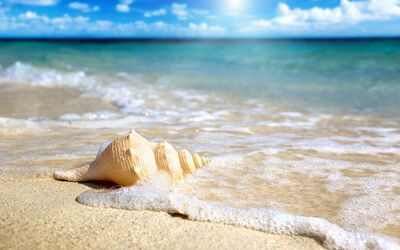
column 345, row 76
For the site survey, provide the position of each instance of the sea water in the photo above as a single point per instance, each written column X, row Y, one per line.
column 295, row 129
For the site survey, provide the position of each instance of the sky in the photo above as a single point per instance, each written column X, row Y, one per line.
column 199, row 18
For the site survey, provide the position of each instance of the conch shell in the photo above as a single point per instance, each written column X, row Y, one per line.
column 132, row 157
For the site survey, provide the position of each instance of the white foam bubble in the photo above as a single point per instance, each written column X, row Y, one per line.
column 70, row 117
column 10, row 126
column 100, row 115
column 358, row 211
column 291, row 114
column 198, row 116
column 328, row 145
column 158, row 194
column 370, row 203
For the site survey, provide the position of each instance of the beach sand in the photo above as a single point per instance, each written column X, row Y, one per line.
column 43, row 214
column 20, row 101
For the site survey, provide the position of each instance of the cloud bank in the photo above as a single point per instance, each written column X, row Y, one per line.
column 346, row 14
column 34, row 24
column 129, row 18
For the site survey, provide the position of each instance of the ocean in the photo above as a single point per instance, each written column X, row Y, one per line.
column 303, row 127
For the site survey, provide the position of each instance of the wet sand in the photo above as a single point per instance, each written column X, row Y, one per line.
column 21, row 101
column 43, row 214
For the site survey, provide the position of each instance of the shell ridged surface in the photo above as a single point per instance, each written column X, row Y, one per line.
column 132, row 157
column 186, row 161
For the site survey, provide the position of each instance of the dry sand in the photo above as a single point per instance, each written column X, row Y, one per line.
column 43, row 214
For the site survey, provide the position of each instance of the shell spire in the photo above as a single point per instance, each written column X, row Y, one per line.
column 186, row 161
column 132, row 157
column 167, row 159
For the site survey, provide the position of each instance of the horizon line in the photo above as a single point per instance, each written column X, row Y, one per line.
column 194, row 39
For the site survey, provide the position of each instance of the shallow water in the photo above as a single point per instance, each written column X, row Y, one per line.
column 308, row 128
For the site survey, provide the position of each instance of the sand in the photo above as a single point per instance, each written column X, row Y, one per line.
column 21, row 101
column 43, row 214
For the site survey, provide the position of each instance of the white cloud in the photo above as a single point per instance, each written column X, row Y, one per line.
column 124, row 5
column 67, row 22
column 137, row 27
column 103, row 25
column 200, row 12
column 31, row 23
column 34, row 24
column 29, row 15
column 83, row 7
column 180, row 11
column 347, row 13
column 122, row 8
column 35, row 2
column 205, row 29
column 159, row 12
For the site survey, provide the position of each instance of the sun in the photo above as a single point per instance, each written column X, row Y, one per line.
column 235, row 5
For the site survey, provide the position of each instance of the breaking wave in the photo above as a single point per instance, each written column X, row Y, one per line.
column 158, row 194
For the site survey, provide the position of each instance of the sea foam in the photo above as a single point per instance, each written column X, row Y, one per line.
column 157, row 193
column 135, row 100
column 109, row 90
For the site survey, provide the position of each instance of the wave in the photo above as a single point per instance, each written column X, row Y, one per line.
column 138, row 100
column 115, row 92
column 158, row 194
column 11, row 126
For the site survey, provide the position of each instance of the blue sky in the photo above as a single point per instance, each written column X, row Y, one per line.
column 202, row 18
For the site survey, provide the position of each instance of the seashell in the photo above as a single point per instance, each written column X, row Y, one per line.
column 132, row 157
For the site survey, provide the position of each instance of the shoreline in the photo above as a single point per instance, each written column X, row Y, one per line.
column 43, row 213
